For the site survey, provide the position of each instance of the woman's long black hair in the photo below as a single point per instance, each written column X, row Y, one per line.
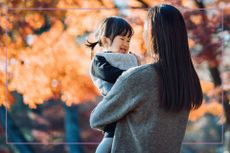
column 166, row 38
column 111, row 27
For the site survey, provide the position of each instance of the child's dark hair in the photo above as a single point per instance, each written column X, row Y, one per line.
column 111, row 27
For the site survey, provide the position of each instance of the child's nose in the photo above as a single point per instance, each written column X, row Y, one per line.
column 126, row 44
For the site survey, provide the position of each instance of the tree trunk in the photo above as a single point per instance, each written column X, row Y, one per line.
column 13, row 132
column 215, row 74
column 72, row 129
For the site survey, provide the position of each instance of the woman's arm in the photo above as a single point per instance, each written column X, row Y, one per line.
column 124, row 96
column 104, row 70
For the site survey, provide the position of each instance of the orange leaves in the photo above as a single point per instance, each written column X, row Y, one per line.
column 5, row 98
column 137, row 44
column 191, row 43
column 136, row 18
column 196, row 114
column 206, row 86
column 188, row 4
column 81, row 91
column 5, row 40
column 213, row 108
column 85, row 4
column 48, row 38
column 5, row 24
column 196, row 19
column 80, row 21
column 35, row 20
column 227, row 9
column 55, row 66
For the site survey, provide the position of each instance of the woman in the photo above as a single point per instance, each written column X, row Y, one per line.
column 151, row 103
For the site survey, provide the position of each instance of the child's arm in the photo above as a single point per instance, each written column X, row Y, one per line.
column 123, row 98
column 102, row 69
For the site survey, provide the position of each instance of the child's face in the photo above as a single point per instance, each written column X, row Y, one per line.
column 120, row 44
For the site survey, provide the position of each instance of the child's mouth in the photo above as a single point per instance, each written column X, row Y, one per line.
column 123, row 50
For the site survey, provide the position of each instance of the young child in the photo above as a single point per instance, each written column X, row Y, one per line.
column 113, row 35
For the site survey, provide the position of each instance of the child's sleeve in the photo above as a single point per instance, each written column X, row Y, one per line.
column 102, row 69
column 124, row 96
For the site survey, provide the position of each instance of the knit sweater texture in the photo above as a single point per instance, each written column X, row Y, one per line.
column 142, row 127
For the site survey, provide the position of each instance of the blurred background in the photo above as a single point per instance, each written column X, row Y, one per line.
column 46, row 94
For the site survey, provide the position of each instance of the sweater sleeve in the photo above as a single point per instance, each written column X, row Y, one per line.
column 102, row 69
column 124, row 96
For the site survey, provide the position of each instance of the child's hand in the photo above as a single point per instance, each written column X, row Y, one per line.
column 137, row 57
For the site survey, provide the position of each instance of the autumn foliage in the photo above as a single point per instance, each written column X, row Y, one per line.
column 42, row 52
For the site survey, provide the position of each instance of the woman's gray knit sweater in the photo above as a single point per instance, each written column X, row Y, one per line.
column 142, row 127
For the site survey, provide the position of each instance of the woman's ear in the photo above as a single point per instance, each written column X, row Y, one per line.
column 106, row 42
